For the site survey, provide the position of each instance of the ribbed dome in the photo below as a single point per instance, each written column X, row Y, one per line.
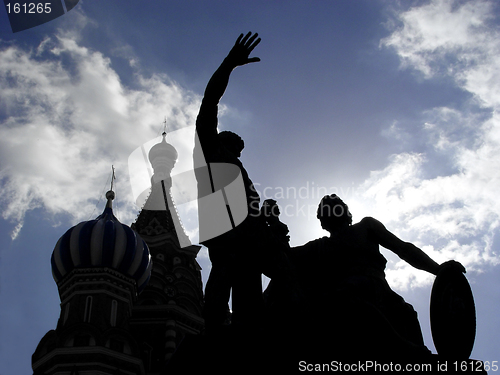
column 163, row 150
column 103, row 242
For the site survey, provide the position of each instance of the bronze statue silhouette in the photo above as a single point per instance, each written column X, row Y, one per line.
column 328, row 299
column 240, row 255
column 227, row 252
column 343, row 276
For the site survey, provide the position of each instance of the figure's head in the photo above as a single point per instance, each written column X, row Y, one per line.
column 270, row 208
column 232, row 142
column 333, row 213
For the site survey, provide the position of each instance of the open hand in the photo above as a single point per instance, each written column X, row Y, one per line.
column 241, row 50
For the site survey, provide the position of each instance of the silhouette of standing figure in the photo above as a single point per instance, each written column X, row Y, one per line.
column 355, row 270
column 233, row 267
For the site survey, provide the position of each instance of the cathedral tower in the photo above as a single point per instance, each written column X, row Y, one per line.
column 170, row 307
column 129, row 295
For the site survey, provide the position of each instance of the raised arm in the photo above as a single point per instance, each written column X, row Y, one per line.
column 239, row 55
column 405, row 250
column 206, row 122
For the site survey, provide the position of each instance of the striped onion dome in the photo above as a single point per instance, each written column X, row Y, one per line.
column 103, row 242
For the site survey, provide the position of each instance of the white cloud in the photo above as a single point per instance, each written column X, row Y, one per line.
column 442, row 31
column 456, row 213
column 65, row 117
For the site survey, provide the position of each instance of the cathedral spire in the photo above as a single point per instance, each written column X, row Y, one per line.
column 162, row 157
column 110, row 195
column 165, row 126
column 171, row 305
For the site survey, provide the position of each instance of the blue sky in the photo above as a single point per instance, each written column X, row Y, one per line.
column 391, row 105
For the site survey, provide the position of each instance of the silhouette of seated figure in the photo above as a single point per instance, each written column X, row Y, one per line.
column 343, row 279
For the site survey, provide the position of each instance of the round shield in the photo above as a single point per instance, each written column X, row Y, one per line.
column 452, row 314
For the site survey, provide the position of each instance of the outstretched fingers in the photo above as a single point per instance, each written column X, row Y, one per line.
column 248, row 41
column 239, row 39
column 245, row 39
column 252, row 42
column 239, row 54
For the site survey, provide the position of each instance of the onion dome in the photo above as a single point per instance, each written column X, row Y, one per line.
column 163, row 150
column 162, row 157
column 103, row 242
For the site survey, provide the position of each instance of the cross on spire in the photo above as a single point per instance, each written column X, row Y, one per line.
column 165, row 126
column 110, row 195
column 113, row 178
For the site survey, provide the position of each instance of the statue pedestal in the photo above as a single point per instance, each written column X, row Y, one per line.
column 231, row 352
